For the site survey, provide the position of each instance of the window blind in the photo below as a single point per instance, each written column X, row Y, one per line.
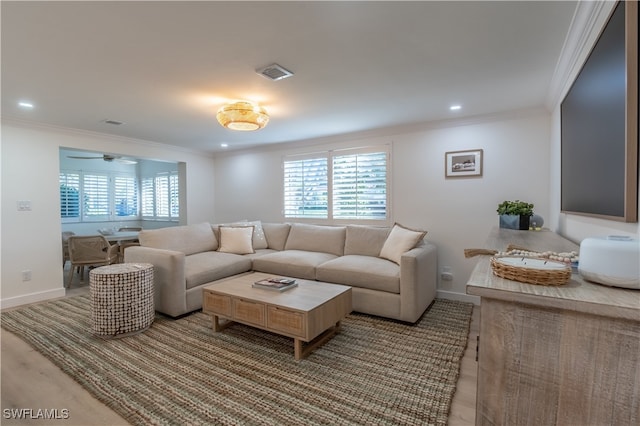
column 306, row 188
column 69, row 195
column 349, row 184
column 125, row 196
column 160, row 196
column 95, row 192
column 360, row 186
column 146, row 197
column 174, row 196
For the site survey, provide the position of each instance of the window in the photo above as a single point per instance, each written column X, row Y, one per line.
column 160, row 196
column 95, row 189
column 125, row 196
column 70, row 195
column 360, row 186
column 105, row 196
column 305, row 188
column 347, row 184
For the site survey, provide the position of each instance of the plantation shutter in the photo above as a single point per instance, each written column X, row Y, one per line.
column 95, row 188
column 174, row 196
column 125, row 196
column 306, row 188
column 360, row 186
column 146, row 197
column 70, row 195
column 162, row 196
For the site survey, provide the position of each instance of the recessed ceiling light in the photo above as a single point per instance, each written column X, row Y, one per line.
column 24, row 104
column 224, row 145
column 455, row 107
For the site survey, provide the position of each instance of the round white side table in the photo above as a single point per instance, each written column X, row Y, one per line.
column 121, row 299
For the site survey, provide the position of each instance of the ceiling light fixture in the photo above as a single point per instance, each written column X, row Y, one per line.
column 24, row 104
column 455, row 107
column 243, row 116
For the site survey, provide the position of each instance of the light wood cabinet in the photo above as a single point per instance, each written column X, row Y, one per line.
column 286, row 321
column 220, row 304
column 554, row 355
column 249, row 312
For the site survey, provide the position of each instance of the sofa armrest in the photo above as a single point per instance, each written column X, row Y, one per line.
column 169, row 277
column 418, row 281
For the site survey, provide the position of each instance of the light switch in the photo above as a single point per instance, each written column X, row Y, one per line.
column 24, row 205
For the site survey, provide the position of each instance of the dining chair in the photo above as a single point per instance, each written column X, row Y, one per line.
column 93, row 250
column 125, row 244
column 65, row 246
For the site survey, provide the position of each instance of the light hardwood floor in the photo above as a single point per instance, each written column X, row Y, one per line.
column 29, row 380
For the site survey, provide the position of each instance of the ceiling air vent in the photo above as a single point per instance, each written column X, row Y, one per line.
column 274, row 72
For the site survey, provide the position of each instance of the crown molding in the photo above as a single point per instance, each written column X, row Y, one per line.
column 393, row 132
column 587, row 23
column 12, row 121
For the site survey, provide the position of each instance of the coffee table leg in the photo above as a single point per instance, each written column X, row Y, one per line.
column 301, row 352
column 298, row 352
column 219, row 326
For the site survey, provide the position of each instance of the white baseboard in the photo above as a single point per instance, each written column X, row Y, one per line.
column 25, row 299
column 451, row 295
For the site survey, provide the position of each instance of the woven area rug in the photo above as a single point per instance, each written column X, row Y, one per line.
column 178, row 372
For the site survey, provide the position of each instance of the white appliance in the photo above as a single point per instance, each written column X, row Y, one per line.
column 612, row 261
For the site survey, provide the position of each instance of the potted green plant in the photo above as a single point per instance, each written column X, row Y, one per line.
column 515, row 214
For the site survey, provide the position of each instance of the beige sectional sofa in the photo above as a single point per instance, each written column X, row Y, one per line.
column 392, row 270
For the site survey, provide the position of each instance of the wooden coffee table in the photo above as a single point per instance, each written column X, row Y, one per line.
column 310, row 312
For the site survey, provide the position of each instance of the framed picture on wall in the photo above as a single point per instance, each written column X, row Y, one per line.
column 463, row 163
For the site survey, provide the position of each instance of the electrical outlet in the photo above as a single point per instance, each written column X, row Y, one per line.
column 446, row 274
column 26, row 275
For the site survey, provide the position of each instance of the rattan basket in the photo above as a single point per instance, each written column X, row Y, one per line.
column 531, row 270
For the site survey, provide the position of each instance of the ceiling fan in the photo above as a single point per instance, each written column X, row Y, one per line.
column 106, row 157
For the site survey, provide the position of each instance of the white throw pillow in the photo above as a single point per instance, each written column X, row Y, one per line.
column 236, row 239
column 400, row 241
column 259, row 239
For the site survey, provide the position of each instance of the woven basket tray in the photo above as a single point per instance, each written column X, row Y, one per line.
column 531, row 270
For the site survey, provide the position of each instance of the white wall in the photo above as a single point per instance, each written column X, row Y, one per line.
column 30, row 166
column 457, row 213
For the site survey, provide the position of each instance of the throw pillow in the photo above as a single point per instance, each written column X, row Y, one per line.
column 236, row 239
column 399, row 241
column 259, row 239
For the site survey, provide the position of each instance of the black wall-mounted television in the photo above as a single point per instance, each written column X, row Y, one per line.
column 599, row 125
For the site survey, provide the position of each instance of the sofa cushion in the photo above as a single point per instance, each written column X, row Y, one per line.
column 400, row 241
column 292, row 263
column 361, row 271
column 365, row 240
column 260, row 252
column 276, row 234
column 188, row 239
column 325, row 239
column 202, row 268
column 236, row 239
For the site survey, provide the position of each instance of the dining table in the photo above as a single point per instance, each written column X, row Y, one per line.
column 122, row 236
